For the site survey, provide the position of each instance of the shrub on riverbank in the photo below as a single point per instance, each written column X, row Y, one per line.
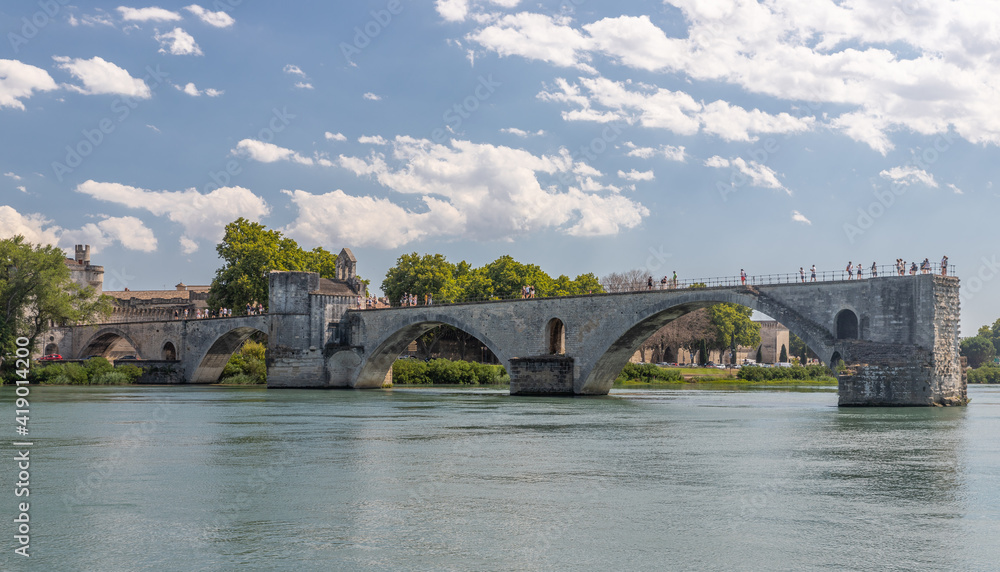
column 648, row 373
column 811, row 372
column 94, row 371
column 247, row 366
column 984, row 374
column 447, row 372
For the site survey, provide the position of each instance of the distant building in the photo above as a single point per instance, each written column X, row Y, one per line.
column 82, row 272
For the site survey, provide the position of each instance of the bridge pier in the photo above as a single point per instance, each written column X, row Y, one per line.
column 542, row 375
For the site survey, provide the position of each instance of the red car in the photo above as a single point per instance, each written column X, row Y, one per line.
column 50, row 357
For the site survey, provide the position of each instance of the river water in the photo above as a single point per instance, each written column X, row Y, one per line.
column 208, row 478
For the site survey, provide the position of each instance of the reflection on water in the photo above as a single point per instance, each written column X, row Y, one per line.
column 433, row 479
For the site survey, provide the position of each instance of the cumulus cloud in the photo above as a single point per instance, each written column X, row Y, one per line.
column 955, row 189
column 103, row 77
column 522, row 132
column 602, row 100
column 750, row 172
column 152, row 14
column 12, row 175
column 20, row 81
column 669, row 152
column 34, row 227
column 335, row 136
column 193, row 91
column 218, row 19
column 634, row 175
column 927, row 69
column 202, row 216
column 293, row 70
column 303, row 85
column 909, row 175
column 268, row 152
column 372, row 97
column 799, row 217
column 467, row 191
column 177, row 42
column 129, row 231
column 372, row 140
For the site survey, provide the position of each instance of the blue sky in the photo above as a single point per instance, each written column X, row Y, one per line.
column 689, row 135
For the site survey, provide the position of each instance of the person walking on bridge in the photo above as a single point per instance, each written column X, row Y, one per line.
column 944, row 266
column 743, row 277
column 802, row 274
column 874, row 270
column 850, row 270
column 813, row 271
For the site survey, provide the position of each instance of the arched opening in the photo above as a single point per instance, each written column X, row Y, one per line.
column 835, row 360
column 51, row 349
column 556, row 336
column 169, row 352
column 111, row 345
column 375, row 369
column 598, row 378
column 214, row 361
column 847, row 325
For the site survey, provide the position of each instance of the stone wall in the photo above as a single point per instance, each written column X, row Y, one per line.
column 542, row 375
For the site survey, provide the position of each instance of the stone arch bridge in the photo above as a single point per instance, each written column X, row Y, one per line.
column 898, row 335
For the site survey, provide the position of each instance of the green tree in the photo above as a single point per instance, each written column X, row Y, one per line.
column 421, row 275
column 733, row 321
column 783, row 357
column 36, row 290
column 250, row 251
column 978, row 350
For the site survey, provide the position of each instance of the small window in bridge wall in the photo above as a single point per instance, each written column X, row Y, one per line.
column 51, row 349
column 556, row 336
column 169, row 352
column 847, row 325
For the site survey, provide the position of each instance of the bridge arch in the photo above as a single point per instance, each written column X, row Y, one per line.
column 622, row 346
column 211, row 363
column 375, row 366
column 105, row 339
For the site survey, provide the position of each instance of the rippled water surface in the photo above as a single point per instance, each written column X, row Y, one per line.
column 451, row 479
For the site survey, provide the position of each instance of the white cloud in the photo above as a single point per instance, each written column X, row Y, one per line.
column 951, row 186
column 131, row 232
column 372, row 97
column 218, row 19
column 536, row 36
column 193, row 91
column 103, row 77
column 187, row 245
column 19, row 81
column 268, row 152
column 522, row 132
column 372, row 140
column 468, row 191
column 669, row 152
column 799, row 217
column 100, row 19
column 203, row 216
column 153, row 14
column 12, row 175
column 752, row 172
column 177, row 42
column 153, row 127
column 294, row 70
column 452, row 10
column 24, row 189
column 35, row 228
column 929, row 68
column 603, row 100
column 634, row 175
column 335, row 136
column 303, row 85
column 909, row 175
